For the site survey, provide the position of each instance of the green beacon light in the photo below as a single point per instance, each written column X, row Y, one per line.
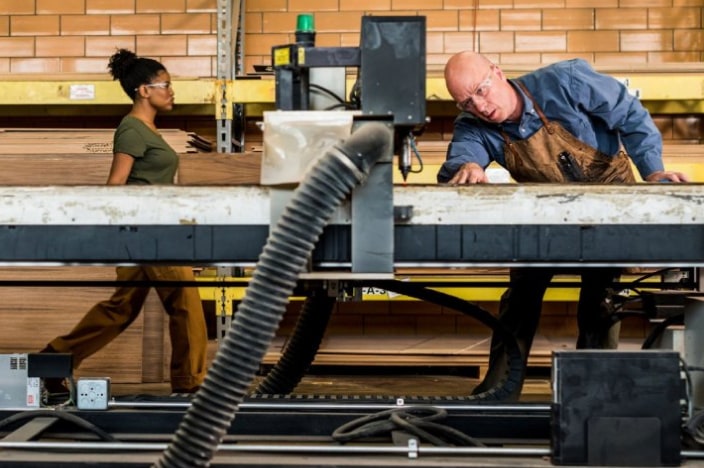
column 305, row 29
column 305, row 23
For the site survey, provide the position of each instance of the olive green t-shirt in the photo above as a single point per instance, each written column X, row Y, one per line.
column 155, row 162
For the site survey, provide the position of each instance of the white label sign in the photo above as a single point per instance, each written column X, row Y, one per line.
column 81, row 92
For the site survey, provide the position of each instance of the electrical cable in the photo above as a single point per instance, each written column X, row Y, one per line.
column 327, row 92
column 416, row 420
column 693, row 427
column 339, row 106
column 66, row 398
column 356, row 95
column 71, row 418
column 688, row 387
column 516, row 367
column 418, row 157
column 644, row 277
column 302, row 346
column 657, row 331
column 620, row 301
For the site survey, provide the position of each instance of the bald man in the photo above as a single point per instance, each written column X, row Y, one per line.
column 563, row 123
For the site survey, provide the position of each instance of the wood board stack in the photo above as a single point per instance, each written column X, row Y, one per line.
column 85, row 141
column 83, row 157
column 92, row 169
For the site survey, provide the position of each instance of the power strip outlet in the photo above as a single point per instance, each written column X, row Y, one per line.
column 93, row 394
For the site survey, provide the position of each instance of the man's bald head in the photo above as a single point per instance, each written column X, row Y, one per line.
column 464, row 67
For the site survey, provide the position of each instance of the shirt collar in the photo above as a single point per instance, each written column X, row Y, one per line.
column 528, row 106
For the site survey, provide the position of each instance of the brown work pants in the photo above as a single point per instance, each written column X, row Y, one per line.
column 107, row 319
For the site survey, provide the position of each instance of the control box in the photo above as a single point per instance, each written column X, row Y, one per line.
column 93, row 393
column 617, row 408
column 17, row 389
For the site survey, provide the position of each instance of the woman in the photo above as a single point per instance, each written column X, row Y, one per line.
column 142, row 157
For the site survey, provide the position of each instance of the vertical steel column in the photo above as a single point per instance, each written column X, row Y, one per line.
column 229, row 33
column 238, row 119
column 223, row 303
column 373, row 218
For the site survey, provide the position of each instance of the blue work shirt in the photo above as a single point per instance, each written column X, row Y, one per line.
column 595, row 108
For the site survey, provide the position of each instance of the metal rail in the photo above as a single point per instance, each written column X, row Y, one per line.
column 449, row 227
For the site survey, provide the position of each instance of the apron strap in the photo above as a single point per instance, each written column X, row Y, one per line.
column 546, row 122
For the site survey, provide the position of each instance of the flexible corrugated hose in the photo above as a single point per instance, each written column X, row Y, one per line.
column 283, row 258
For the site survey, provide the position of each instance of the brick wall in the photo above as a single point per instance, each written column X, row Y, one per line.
column 54, row 37
column 77, row 36
column 509, row 31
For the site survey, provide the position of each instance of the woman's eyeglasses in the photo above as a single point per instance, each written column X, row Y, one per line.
column 160, row 84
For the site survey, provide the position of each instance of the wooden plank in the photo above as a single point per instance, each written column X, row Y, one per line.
column 65, row 169
column 156, row 345
column 93, row 169
column 219, row 169
column 84, row 141
column 374, row 352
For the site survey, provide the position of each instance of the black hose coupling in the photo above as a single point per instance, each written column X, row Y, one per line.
column 368, row 144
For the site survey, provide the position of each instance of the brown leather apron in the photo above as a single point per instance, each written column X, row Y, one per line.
column 553, row 154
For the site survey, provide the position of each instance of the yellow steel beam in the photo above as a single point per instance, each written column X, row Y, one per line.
column 670, row 92
column 88, row 92
column 247, row 91
column 468, row 287
column 92, row 92
column 686, row 89
column 194, row 91
column 687, row 106
column 665, row 86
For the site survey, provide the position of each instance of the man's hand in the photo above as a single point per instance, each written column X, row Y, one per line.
column 469, row 173
column 670, row 176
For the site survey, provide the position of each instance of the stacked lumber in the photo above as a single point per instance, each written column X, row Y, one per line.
column 219, row 169
column 93, row 169
column 85, row 141
column 71, row 157
column 469, row 350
